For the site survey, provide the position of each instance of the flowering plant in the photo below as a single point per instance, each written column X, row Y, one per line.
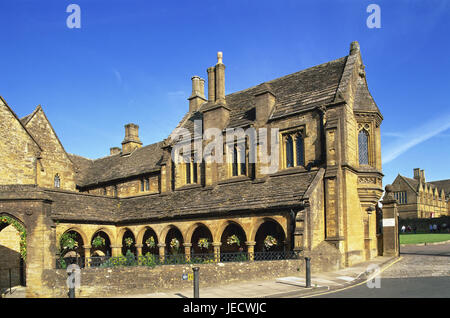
column 270, row 241
column 233, row 239
column 150, row 242
column 98, row 241
column 203, row 243
column 68, row 241
column 175, row 244
column 129, row 241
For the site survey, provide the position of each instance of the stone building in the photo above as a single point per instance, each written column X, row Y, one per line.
column 319, row 199
column 418, row 198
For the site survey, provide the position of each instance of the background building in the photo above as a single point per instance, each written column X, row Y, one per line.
column 420, row 199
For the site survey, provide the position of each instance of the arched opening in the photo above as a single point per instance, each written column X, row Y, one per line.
column 71, row 249
column 233, row 239
column 174, row 242
column 129, row 243
column 202, row 240
column 101, row 247
column 270, row 237
column 12, row 252
column 150, row 242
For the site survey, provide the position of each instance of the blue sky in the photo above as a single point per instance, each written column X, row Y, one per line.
column 132, row 61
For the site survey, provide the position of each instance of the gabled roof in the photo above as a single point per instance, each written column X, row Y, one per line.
column 443, row 185
column 20, row 122
column 27, row 119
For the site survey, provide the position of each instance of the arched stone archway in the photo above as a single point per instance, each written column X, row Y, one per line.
column 233, row 238
column 12, row 251
column 174, row 241
column 128, row 242
column 270, row 237
column 201, row 240
column 71, row 245
column 149, row 241
column 101, row 237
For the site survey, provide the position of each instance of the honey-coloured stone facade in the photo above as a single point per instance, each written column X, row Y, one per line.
column 317, row 200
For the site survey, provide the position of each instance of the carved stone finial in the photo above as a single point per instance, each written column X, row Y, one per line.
column 219, row 57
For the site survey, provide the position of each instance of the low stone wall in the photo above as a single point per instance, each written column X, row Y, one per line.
column 117, row 281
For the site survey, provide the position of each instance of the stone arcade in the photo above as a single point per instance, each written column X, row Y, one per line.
column 318, row 202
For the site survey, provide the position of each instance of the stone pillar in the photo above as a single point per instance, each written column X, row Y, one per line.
column 390, row 224
column 251, row 249
column 87, row 255
column 116, row 250
column 162, row 251
column 216, row 246
column 139, row 249
column 187, row 251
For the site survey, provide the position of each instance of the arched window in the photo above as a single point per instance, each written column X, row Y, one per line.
column 363, row 146
column 289, row 152
column 300, row 150
column 57, row 181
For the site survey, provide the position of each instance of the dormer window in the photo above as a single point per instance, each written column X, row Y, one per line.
column 57, row 181
column 293, row 149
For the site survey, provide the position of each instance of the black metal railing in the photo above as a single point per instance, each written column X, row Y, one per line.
column 152, row 260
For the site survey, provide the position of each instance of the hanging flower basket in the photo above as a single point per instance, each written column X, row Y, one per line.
column 68, row 241
column 174, row 243
column 128, row 241
column 98, row 241
column 203, row 243
column 150, row 242
column 270, row 241
column 233, row 239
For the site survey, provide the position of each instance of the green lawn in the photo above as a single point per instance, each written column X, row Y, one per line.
column 424, row 238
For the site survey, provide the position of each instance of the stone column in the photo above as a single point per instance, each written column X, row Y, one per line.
column 187, row 251
column 162, row 251
column 139, row 249
column 216, row 246
column 87, row 255
column 390, row 224
column 116, row 250
column 251, row 249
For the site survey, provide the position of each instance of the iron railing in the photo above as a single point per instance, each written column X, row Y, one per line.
column 152, row 260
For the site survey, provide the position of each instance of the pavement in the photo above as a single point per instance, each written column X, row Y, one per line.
column 283, row 287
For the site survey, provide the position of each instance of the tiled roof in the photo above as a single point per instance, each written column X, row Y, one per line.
column 442, row 185
column 142, row 160
column 277, row 191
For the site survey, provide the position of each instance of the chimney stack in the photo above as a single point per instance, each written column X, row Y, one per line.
column 211, row 84
column 216, row 114
column 264, row 102
column 220, row 79
column 131, row 141
column 417, row 174
column 114, row 151
column 422, row 176
column 197, row 97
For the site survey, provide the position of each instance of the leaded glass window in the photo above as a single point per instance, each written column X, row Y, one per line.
column 300, row 150
column 57, row 181
column 289, row 152
column 363, row 146
column 235, row 161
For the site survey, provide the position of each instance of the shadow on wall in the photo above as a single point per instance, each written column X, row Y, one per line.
column 9, row 259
